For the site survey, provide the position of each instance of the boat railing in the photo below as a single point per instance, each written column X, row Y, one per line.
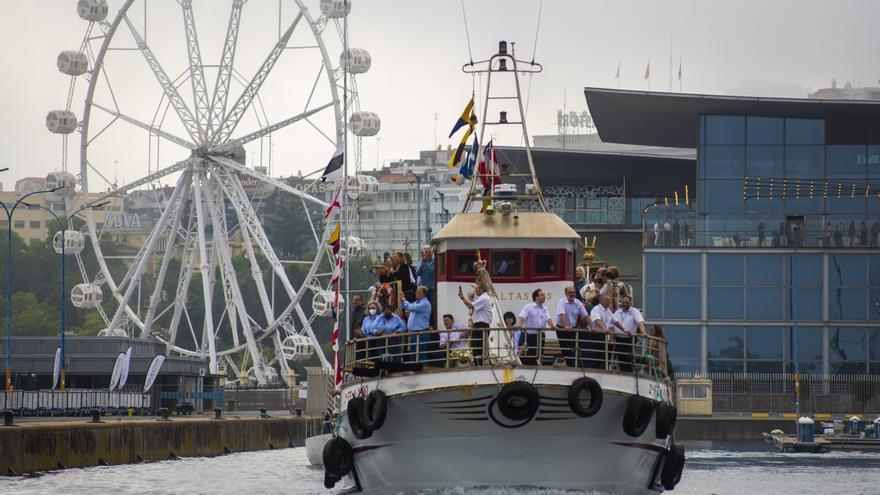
column 491, row 347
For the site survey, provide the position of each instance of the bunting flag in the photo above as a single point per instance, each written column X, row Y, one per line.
column 334, row 340
column 488, row 172
column 153, row 371
column 335, row 205
column 467, row 118
column 461, row 146
column 337, row 270
column 470, row 158
column 56, row 371
column 333, row 241
column 648, row 70
column 334, row 167
column 617, row 74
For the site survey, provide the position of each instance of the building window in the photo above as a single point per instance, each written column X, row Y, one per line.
column 764, row 130
column 725, row 129
column 684, row 347
column 804, row 131
column 19, row 224
column 694, row 392
column 848, row 349
column 34, row 224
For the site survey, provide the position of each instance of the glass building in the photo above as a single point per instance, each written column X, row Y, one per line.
column 783, row 230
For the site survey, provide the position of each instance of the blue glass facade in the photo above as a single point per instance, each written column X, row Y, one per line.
column 787, row 224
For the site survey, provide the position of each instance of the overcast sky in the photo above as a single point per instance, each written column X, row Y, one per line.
column 756, row 47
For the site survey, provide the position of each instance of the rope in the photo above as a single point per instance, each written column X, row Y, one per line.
column 537, row 30
column 467, row 32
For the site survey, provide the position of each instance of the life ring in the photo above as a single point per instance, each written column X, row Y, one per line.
column 518, row 401
column 666, row 416
column 338, row 459
column 355, row 419
column 638, row 415
column 375, row 408
column 673, row 466
column 593, row 388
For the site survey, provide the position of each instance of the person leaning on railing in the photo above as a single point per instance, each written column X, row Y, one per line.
column 534, row 317
column 657, row 348
column 388, row 324
column 604, row 322
column 570, row 314
column 632, row 324
column 453, row 342
column 419, row 321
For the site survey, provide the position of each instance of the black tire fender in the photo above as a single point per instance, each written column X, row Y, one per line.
column 673, row 466
column 638, row 415
column 518, row 400
column 338, row 458
column 355, row 419
column 593, row 388
column 666, row 417
column 375, row 409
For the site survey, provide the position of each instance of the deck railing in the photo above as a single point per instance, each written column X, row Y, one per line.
column 478, row 347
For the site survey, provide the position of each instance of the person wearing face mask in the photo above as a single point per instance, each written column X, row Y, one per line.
column 368, row 326
column 386, row 324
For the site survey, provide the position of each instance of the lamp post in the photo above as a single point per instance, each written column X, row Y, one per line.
column 418, row 183
column 64, row 227
column 9, row 213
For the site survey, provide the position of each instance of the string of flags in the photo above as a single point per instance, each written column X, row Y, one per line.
column 467, row 118
column 334, row 242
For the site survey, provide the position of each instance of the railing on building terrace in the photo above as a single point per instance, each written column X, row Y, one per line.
column 775, row 392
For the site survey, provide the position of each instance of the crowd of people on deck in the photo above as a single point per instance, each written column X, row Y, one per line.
column 595, row 318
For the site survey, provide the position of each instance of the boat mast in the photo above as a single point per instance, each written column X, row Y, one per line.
column 504, row 62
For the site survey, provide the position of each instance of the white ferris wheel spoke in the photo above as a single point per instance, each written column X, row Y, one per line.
column 183, row 279
column 183, row 111
column 230, row 163
column 205, row 270
column 225, row 70
column 227, row 271
column 252, row 223
column 269, row 129
column 196, row 70
column 147, row 127
column 147, row 253
column 233, row 117
column 153, row 301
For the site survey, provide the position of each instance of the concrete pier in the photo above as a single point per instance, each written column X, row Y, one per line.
column 42, row 446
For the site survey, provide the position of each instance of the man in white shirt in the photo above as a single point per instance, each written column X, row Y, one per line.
column 604, row 323
column 534, row 317
column 453, row 338
column 570, row 314
column 632, row 323
column 481, row 316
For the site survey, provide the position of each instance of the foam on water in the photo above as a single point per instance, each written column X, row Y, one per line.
column 718, row 469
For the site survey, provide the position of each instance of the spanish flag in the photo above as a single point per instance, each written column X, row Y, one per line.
column 333, row 241
column 468, row 117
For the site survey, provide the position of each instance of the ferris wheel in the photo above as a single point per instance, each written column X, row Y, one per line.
column 182, row 169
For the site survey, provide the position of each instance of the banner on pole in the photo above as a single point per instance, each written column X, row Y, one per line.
column 125, row 367
column 117, row 370
column 56, row 371
column 153, row 372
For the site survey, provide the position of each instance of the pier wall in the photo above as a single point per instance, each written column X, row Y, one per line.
column 41, row 446
column 729, row 429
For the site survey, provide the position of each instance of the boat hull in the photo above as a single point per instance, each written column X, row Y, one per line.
column 456, row 436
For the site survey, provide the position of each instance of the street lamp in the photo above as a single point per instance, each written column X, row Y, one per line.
column 9, row 213
column 64, row 228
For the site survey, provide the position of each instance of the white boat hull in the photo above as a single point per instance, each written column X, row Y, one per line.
column 455, row 436
column 315, row 448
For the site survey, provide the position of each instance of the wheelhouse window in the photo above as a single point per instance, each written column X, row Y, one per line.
column 441, row 264
column 464, row 263
column 545, row 263
column 506, row 264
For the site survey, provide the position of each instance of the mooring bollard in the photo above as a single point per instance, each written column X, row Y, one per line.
column 218, row 413
column 263, row 413
column 298, row 412
column 163, row 414
column 7, row 417
column 96, row 415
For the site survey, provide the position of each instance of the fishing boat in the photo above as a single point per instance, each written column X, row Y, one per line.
column 573, row 410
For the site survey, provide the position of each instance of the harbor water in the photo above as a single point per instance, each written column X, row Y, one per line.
column 712, row 468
